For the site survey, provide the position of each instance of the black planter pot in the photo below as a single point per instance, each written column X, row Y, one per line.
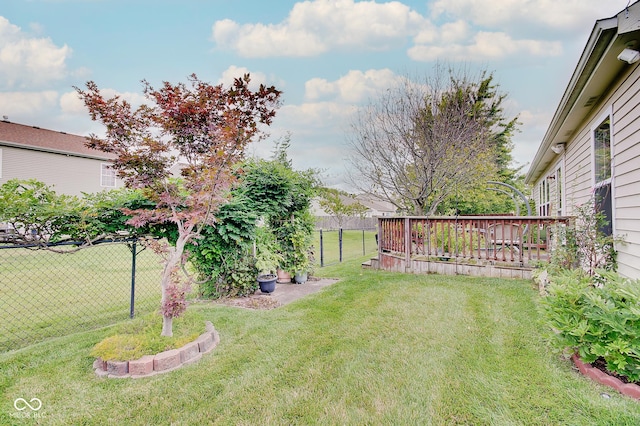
column 267, row 282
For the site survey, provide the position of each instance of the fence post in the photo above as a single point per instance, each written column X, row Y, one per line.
column 134, row 253
column 321, row 250
column 364, row 251
column 340, row 242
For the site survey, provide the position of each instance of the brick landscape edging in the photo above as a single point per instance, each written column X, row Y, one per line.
column 629, row 389
column 163, row 362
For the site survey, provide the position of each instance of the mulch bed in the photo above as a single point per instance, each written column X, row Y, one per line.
column 255, row 301
column 601, row 365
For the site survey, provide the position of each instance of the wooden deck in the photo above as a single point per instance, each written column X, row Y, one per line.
column 493, row 246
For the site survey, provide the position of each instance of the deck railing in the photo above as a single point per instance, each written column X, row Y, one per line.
column 515, row 240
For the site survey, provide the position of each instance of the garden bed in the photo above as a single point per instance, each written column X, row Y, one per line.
column 599, row 374
column 163, row 362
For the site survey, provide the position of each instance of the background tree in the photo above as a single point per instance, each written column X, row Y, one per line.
column 42, row 218
column 417, row 145
column 203, row 126
column 38, row 214
column 340, row 205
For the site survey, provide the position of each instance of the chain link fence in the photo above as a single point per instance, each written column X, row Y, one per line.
column 334, row 246
column 45, row 294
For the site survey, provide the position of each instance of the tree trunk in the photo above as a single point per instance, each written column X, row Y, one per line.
column 173, row 259
column 167, row 326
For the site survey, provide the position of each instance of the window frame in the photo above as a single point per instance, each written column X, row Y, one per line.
column 598, row 185
column 560, row 195
column 107, row 172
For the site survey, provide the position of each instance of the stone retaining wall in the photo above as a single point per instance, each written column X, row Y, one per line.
column 163, row 362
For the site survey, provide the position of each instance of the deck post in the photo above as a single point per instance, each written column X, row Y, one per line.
column 407, row 244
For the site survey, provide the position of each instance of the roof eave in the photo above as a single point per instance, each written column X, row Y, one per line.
column 104, row 157
column 602, row 35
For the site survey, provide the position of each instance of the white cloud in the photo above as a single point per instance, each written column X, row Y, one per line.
column 485, row 45
column 355, row 87
column 314, row 27
column 233, row 72
column 308, row 117
column 29, row 61
column 71, row 103
column 454, row 32
column 467, row 30
column 20, row 104
column 535, row 119
column 533, row 127
column 566, row 16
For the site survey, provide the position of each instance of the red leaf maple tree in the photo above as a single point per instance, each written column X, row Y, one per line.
column 200, row 129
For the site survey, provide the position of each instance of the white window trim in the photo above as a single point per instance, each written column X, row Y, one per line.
column 0, row 162
column 608, row 113
column 102, row 176
column 560, row 202
column 544, row 201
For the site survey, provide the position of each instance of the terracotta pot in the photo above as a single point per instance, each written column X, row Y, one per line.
column 284, row 276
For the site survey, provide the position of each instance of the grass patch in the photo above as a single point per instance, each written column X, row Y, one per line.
column 374, row 348
column 47, row 294
column 141, row 336
column 355, row 244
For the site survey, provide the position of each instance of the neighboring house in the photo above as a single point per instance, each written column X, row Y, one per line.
column 56, row 158
column 374, row 208
column 591, row 150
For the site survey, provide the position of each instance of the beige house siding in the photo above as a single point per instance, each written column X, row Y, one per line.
column 626, row 160
column 602, row 85
column 623, row 102
column 68, row 174
column 578, row 180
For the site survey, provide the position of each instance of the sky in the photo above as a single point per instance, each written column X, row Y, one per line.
column 329, row 57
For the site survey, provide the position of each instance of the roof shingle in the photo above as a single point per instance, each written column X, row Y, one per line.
column 31, row 137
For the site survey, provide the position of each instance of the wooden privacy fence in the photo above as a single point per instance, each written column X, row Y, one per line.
column 504, row 241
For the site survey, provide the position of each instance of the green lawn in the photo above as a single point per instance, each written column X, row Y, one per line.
column 44, row 294
column 355, row 243
column 374, row 348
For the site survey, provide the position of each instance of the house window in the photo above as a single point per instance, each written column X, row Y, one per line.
column 559, row 193
column 602, row 173
column 544, row 204
column 107, row 176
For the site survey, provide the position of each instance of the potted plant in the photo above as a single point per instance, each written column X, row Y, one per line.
column 267, row 260
column 301, row 255
column 283, row 275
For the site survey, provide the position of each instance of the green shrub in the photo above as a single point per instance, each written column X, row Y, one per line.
column 597, row 318
column 222, row 254
column 584, row 244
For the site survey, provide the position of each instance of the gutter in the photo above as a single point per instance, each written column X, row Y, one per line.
column 604, row 31
column 54, row 151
